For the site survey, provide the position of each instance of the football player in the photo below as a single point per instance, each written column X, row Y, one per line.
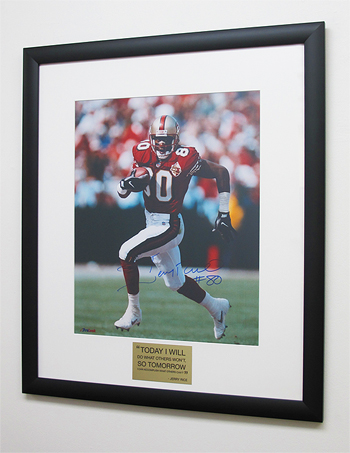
column 169, row 168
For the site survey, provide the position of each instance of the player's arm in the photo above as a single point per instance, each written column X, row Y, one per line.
column 124, row 189
column 134, row 182
column 211, row 170
column 123, row 193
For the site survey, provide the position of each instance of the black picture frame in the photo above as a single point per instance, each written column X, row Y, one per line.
column 312, row 37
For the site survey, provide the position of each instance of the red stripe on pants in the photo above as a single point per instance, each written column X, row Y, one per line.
column 155, row 242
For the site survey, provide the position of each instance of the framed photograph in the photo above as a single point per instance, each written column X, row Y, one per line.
column 173, row 221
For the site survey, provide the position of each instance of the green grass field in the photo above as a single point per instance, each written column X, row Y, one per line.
column 167, row 315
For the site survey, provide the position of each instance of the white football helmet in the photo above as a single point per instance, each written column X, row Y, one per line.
column 164, row 136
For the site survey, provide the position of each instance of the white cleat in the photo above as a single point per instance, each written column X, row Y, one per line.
column 219, row 317
column 132, row 317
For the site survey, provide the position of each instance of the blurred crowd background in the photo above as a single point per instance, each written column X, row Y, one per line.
column 223, row 127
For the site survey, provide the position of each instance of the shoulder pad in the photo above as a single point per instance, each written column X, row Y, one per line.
column 187, row 156
column 142, row 152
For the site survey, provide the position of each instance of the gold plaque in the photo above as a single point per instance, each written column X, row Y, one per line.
column 162, row 363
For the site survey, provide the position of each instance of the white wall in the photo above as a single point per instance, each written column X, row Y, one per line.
column 41, row 424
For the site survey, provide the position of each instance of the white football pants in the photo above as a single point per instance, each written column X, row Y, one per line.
column 165, row 255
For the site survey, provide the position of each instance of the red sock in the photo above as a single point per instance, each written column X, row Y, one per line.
column 192, row 290
column 132, row 276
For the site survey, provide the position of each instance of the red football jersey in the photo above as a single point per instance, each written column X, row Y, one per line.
column 171, row 177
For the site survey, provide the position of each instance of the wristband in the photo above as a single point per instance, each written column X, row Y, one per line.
column 120, row 190
column 224, row 199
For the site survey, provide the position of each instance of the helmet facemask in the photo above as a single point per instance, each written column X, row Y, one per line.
column 164, row 136
column 163, row 146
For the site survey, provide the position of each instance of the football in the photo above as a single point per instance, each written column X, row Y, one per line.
column 142, row 172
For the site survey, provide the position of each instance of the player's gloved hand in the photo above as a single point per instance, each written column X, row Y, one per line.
column 133, row 184
column 224, row 227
